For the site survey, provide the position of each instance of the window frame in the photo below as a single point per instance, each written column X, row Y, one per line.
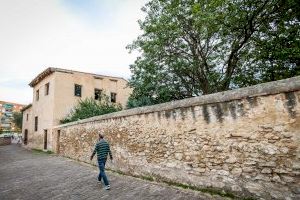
column 36, row 123
column 47, row 87
column 37, row 95
column 100, row 92
column 113, row 100
column 75, row 91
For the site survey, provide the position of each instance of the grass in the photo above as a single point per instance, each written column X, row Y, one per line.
column 42, row 151
column 211, row 191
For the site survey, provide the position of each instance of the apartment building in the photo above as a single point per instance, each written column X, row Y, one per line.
column 55, row 92
column 6, row 116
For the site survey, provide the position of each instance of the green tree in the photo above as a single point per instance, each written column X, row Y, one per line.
column 189, row 47
column 18, row 120
column 90, row 107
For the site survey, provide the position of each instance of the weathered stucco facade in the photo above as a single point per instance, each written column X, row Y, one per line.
column 54, row 97
column 27, row 126
column 246, row 141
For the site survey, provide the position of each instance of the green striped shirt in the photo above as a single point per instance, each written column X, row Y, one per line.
column 102, row 149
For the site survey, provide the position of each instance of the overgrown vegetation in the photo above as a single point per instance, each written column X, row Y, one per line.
column 90, row 107
column 41, row 151
column 18, row 120
column 211, row 191
column 190, row 48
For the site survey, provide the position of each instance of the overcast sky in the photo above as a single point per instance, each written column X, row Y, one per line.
column 84, row 35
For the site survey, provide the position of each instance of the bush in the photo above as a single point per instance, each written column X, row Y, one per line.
column 90, row 107
column 139, row 102
column 18, row 119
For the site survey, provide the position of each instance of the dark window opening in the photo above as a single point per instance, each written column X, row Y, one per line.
column 36, row 121
column 58, row 142
column 37, row 95
column 47, row 88
column 45, row 139
column 25, row 137
column 98, row 94
column 113, row 97
column 77, row 90
column 27, row 117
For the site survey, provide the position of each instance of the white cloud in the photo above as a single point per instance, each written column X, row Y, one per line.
column 36, row 34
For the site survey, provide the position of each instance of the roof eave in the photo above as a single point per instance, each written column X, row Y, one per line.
column 26, row 107
column 41, row 76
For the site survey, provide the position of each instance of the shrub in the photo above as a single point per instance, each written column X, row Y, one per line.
column 90, row 107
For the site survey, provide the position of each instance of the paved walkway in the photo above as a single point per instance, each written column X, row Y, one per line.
column 30, row 175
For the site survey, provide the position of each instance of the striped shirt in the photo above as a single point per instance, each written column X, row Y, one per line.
column 102, row 149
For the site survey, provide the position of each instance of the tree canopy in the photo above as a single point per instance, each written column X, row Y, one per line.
column 189, row 47
column 18, row 120
column 90, row 107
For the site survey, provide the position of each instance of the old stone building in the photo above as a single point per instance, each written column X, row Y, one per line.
column 55, row 92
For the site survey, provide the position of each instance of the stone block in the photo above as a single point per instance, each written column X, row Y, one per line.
column 296, row 165
column 201, row 170
column 266, row 171
column 236, row 171
column 231, row 159
column 178, row 156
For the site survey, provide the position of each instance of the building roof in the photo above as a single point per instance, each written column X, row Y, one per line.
column 26, row 107
column 50, row 70
column 7, row 102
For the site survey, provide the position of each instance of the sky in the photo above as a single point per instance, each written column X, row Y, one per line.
column 83, row 35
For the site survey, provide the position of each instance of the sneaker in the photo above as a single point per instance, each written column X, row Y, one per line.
column 99, row 182
column 107, row 187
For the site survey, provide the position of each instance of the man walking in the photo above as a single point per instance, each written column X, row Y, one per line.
column 102, row 148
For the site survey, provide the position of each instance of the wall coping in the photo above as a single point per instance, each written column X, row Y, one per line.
column 275, row 87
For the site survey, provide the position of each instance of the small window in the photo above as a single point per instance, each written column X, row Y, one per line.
column 27, row 117
column 47, row 88
column 113, row 97
column 37, row 95
column 25, row 136
column 36, row 121
column 98, row 94
column 77, row 90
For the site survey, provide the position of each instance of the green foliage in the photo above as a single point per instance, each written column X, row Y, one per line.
column 189, row 48
column 18, row 120
column 89, row 107
column 138, row 102
column 40, row 151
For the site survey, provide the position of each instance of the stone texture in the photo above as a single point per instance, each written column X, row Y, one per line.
column 5, row 141
column 255, row 140
column 34, row 176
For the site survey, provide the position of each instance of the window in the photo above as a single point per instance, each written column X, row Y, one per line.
column 98, row 94
column 77, row 90
column 58, row 142
column 27, row 117
column 25, row 136
column 113, row 97
column 37, row 95
column 47, row 89
column 45, row 139
column 36, row 121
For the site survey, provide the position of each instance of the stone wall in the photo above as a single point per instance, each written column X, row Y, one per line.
column 245, row 141
column 5, row 141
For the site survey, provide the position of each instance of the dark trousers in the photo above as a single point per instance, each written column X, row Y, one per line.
column 101, row 164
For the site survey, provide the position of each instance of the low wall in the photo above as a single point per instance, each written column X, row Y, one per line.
column 5, row 141
column 245, row 141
